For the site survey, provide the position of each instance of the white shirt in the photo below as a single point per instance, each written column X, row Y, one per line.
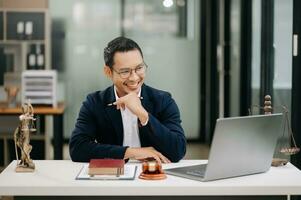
column 130, row 126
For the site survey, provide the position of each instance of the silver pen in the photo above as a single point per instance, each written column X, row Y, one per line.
column 112, row 104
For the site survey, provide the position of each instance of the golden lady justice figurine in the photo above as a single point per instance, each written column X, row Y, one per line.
column 21, row 138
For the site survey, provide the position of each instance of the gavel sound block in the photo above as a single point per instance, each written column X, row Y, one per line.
column 152, row 170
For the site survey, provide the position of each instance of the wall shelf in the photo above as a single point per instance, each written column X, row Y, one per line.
column 25, row 44
column 24, row 32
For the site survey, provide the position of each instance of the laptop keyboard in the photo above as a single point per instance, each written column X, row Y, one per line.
column 199, row 171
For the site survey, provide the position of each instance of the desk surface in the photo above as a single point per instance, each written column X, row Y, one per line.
column 57, row 178
column 37, row 109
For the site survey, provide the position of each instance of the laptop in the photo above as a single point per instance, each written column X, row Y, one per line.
column 240, row 146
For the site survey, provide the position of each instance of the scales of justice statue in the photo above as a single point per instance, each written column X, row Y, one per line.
column 21, row 138
column 286, row 143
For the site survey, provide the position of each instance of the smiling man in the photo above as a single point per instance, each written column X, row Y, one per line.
column 128, row 120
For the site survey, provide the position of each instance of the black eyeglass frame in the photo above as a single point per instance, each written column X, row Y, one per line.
column 145, row 66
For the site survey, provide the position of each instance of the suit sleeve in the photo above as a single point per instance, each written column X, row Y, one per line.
column 83, row 145
column 165, row 132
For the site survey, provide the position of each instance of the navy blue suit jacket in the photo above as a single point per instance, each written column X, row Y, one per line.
column 98, row 130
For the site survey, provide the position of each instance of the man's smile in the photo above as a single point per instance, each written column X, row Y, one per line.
column 132, row 85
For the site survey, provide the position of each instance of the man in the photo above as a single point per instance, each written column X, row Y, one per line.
column 128, row 120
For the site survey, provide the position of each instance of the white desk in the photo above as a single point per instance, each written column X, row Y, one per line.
column 57, row 178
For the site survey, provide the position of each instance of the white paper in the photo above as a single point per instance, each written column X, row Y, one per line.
column 129, row 174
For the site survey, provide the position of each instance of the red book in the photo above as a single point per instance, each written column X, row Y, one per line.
column 106, row 167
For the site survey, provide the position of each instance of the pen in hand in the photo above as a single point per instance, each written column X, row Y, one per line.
column 114, row 103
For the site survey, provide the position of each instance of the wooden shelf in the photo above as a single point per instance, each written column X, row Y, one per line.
column 17, row 42
column 33, row 136
column 56, row 131
column 37, row 109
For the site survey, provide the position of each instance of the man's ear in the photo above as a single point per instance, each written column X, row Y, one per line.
column 107, row 71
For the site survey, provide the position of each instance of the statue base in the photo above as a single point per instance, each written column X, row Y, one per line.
column 23, row 168
column 276, row 162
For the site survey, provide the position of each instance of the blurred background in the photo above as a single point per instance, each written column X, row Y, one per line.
column 216, row 57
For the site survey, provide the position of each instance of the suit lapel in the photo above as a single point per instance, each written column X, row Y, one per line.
column 146, row 101
column 148, row 106
column 114, row 115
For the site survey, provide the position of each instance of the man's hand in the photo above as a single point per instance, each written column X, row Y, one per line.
column 133, row 103
column 144, row 153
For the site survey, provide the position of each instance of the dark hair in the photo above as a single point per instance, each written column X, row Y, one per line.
column 119, row 44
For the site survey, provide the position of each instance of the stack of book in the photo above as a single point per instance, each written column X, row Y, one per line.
column 106, row 167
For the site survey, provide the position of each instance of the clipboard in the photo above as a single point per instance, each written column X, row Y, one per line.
column 129, row 174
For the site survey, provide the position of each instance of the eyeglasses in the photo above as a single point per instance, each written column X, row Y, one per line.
column 126, row 72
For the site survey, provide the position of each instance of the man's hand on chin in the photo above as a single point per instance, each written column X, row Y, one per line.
column 133, row 103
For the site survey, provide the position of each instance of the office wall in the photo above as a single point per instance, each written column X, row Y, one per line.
column 174, row 67
column 89, row 25
column 283, row 31
column 235, row 58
